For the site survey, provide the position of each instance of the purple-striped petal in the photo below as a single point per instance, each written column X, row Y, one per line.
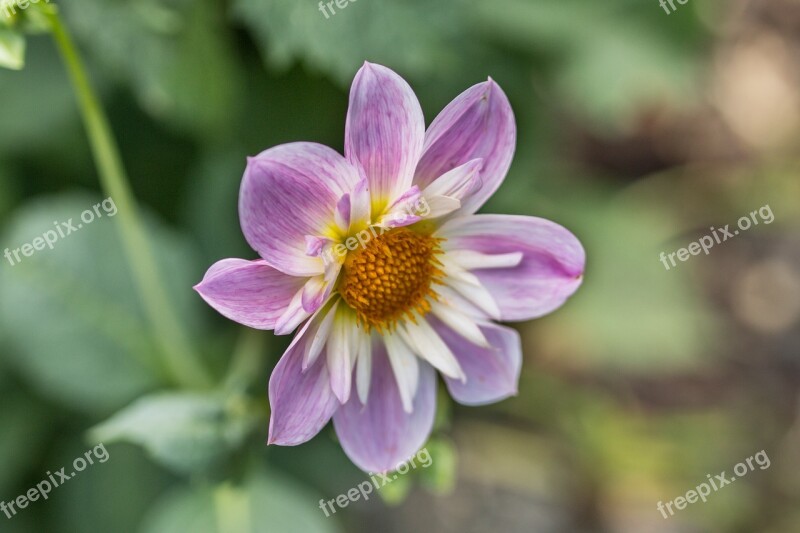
column 249, row 292
column 384, row 132
column 492, row 373
column 380, row 435
column 343, row 213
column 479, row 123
column 289, row 192
column 301, row 402
column 315, row 245
column 550, row 271
column 360, row 205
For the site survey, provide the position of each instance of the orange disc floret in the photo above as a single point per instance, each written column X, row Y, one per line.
column 391, row 277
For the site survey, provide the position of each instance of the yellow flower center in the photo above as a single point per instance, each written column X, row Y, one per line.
column 390, row 277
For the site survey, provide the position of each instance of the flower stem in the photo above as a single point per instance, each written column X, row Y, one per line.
column 183, row 367
column 232, row 509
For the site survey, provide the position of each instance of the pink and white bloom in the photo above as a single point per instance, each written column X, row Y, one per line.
column 379, row 262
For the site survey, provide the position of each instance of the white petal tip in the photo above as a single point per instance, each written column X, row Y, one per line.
column 408, row 407
column 343, row 398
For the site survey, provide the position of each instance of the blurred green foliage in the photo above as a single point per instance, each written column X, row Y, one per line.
column 78, row 299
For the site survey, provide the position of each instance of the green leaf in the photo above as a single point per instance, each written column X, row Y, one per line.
column 15, row 22
column 27, row 123
column 9, row 192
column 184, row 431
column 36, row 18
column 12, row 49
column 217, row 177
column 288, row 30
column 176, row 56
column 107, row 496
column 263, row 503
column 24, row 424
column 72, row 313
column 202, row 78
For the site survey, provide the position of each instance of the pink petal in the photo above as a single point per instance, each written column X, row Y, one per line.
column 404, row 211
column 289, row 192
column 479, row 123
column 294, row 315
column 249, row 292
column 315, row 293
column 459, row 183
column 343, row 213
column 301, row 402
column 380, row 435
column 492, row 373
column 360, row 205
column 318, row 289
column 315, row 245
column 385, row 130
column 551, row 269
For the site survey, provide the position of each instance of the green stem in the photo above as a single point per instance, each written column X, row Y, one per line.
column 232, row 509
column 180, row 359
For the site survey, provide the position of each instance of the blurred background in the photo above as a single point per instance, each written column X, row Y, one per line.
column 638, row 130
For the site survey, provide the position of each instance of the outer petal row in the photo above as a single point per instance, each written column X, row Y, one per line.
column 492, row 373
column 385, row 131
column 551, row 269
column 249, row 292
column 288, row 192
column 380, row 435
column 478, row 124
column 377, row 436
column 301, row 402
column 292, row 191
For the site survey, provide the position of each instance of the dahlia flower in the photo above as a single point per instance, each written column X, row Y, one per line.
column 378, row 261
